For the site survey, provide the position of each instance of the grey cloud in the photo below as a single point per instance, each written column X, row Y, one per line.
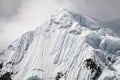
column 9, row 8
column 100, row 9
column 105, row 10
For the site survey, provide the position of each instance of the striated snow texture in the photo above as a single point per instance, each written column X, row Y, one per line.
column 69, row 46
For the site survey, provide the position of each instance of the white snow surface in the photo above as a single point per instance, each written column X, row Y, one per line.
column 63, row 44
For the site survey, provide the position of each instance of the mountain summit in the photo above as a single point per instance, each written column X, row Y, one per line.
column 69, row 46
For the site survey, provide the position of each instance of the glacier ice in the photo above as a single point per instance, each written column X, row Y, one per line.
column 69, row 46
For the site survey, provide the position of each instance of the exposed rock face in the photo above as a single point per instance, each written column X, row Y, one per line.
column 1, row 65
column 95, row 69
column 59, row 76
column 67, row 47
column 6, row 76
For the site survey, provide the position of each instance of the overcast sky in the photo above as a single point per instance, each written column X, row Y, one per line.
column 20, row 16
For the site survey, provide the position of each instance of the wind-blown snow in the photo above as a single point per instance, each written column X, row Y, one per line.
column 67, row 47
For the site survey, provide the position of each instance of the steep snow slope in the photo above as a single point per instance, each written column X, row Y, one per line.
column 67, row 47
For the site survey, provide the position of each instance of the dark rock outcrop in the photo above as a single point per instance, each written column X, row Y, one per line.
column 59, row 75
column 95, row 69
column 6, row 76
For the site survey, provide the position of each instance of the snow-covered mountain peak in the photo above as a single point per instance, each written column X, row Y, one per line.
column 66, row 17
column 69, row 46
